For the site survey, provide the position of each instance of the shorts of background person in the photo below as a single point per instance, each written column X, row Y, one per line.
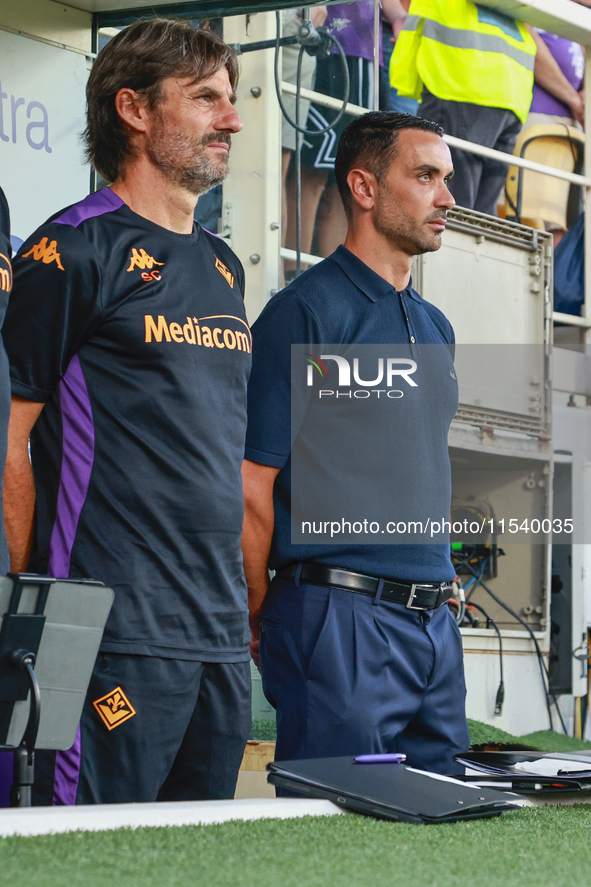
column 319, row 152
column 477, row 181
column 536, row 119
column 290, row 23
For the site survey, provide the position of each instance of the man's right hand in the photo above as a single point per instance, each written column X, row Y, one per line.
column 257, row 481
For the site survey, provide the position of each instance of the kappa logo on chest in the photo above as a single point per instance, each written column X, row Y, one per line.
column 141, row 260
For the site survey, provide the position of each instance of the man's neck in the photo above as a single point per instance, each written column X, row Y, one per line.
column 150, row 194
column 381, row 255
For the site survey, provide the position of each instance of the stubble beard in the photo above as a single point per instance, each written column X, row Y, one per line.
column 185, row 161
column 405, row 233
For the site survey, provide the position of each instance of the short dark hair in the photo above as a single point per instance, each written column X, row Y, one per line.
column 370, row 142
column 141, row 57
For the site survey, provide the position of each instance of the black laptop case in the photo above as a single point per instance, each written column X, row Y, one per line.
column 388, row 791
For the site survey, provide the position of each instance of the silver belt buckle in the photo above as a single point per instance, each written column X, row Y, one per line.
column 411, row 598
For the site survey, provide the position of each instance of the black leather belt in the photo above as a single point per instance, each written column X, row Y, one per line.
column 414, row 595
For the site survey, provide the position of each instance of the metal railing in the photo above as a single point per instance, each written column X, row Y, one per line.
column 480, row 150
column 356, row 111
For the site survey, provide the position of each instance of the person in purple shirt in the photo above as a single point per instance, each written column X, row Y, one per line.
column 560, row 66
column 557, row 98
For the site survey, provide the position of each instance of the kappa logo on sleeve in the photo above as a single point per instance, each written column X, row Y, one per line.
column 114, row 708
column 225, row 272
column 140, row 259
column 45, row 251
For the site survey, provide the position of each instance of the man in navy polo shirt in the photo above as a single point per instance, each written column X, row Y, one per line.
column 358, row 650
column 130, row 353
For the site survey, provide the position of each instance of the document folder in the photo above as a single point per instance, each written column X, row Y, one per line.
column 388, row 791
column 525, row 785
column 530, row 771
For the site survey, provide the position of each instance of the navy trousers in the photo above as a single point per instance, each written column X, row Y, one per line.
column 184, row 741
column 350, row 674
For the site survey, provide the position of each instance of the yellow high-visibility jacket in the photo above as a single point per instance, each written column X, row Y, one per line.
column 465, row 52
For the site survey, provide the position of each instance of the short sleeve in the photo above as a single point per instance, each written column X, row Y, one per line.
column 286, row 321
column 53, row 310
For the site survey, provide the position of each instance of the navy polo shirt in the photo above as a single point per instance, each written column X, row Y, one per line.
column 341, row 300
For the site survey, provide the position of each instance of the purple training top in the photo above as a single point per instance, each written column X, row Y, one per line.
column 352, row 25
column 571, row 61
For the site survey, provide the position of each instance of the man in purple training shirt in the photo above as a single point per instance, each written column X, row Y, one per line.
column 129, row 355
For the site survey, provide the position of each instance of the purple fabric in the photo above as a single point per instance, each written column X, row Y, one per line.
column 77, row 461
column 105, row 201
column 67, row 774
column 571, row 61
column 352, row 25
column 6, row 771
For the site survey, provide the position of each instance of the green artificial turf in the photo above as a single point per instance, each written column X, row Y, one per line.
column 535, row 847
column 526, row 848
column 548, row 740
column 487, row 734
column 480, row 734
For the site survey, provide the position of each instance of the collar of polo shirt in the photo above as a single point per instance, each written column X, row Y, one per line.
column 370, row 283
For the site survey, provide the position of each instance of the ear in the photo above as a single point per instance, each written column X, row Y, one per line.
column 132, row 109
column 363, row 187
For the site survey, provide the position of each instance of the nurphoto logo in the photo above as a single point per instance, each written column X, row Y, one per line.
column 389, row 370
